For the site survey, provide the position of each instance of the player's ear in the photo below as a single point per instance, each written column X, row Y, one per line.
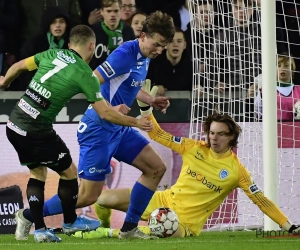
column 92, row 46
column 142, row 37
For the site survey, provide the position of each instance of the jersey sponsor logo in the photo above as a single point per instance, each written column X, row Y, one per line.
column 39, row 89
column 38, row 99
column 15, row 128
column 28, row 109
column 108, row 70
column 254, row 189
column 202, row 179
column 93, row 170
column 223, row 174
column 199, row 156
column 138, row 83
column 65, row 58
column 177, row 139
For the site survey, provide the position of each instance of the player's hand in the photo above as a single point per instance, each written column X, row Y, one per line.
column 145, row 124
column 2, row 83
column 122, row 108
column 161, row 90
column 145, row 108
column 161, row 103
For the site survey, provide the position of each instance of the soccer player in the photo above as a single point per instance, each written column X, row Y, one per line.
column 61, row 74
column 122, row 76
column 210, row 171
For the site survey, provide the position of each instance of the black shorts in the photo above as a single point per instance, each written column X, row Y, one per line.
column 46, row 150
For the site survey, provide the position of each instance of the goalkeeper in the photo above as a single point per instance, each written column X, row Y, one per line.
column 210, row 171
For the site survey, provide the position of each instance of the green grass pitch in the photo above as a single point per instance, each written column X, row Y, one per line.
column 207, row 241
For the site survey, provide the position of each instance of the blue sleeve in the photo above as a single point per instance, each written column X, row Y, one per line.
column 119, row 62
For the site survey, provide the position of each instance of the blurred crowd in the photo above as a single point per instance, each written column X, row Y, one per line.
column 227, row 38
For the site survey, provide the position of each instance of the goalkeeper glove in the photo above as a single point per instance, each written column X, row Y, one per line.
column 145, row 108
column 293, row 229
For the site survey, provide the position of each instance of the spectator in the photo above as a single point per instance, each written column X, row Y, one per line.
column 54, row 34
column 9, row 18
column 31, row 14
column 149, row 6
column 90, row 11
column 137, row 21
column 236, row 58
column 180, row 13
column 287, row 93
column 128, row 8
column 281, row 40
column 203, row 35
column 288, row 14
column 172, row 70
column 110, row 33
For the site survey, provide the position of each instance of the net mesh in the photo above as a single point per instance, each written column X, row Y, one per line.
column 227, row 66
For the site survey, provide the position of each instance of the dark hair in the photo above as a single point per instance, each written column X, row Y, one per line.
column 108, row 3
column 81, row 34
column 234, row 128
column 179, row 30
column 138, row 12
column 161, row 23
column 50, row 14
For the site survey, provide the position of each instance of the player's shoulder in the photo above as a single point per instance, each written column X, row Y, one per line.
column 128, row 51
column 130, row 47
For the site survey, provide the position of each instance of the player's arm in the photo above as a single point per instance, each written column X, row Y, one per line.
column 16, row 69
column 160, row 102
column 178, row 144
column 109, row 114
column 99, row 76
column 265, row 205
column 113, row 66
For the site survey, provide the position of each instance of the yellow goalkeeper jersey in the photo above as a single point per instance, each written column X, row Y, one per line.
column 206, row 179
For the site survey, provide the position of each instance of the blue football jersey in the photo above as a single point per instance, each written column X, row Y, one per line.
column 124, row 71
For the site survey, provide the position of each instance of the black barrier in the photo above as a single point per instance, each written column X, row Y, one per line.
column 11, row 200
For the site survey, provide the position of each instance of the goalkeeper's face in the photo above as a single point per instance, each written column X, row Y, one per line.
column 152, row 46
column 219, row 137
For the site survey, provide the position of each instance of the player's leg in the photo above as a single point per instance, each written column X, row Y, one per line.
column 57, row 157
column 137, row 151
column 94, row 164
column 109, row 199
column 28, row 148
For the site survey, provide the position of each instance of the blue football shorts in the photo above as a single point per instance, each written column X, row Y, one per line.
column 98, row 145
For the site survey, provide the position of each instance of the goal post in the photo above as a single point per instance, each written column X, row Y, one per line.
column 235, row 49
column 268, row 52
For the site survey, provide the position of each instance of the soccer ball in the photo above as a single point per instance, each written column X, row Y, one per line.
column 163, row 222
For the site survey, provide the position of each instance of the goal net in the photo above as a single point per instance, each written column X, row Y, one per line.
column 227, row 62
